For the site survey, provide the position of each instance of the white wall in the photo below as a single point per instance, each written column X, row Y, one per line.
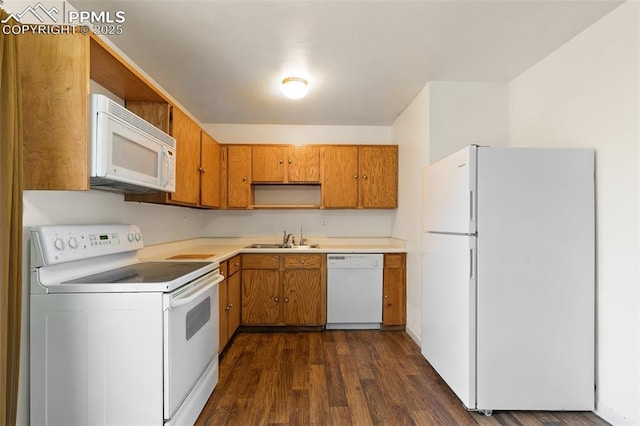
column 443, row 118
column 411, row 133
column 586, row 94
column 298, row 134
column 467, row 113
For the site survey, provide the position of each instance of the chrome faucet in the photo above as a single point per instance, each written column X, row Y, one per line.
column 285, row 239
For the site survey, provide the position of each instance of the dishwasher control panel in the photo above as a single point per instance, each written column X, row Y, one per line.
column 355, row 261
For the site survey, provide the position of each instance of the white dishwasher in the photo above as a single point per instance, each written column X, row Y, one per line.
column 354, row 291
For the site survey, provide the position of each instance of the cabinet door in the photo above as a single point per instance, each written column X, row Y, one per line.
column 187, row 134
column 378, row 170
column 339, row 177
column 223, row 314
column 268, row 163
column 378, row 167
column 260, row 296
column 303, row 164
column 394, row 290
column 239, row 176
column 234, row 298
column 302, row 297
column 209, row 172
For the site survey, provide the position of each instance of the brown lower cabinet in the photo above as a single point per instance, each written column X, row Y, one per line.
column 229, row 292
column 284, row 289
column 394, row 290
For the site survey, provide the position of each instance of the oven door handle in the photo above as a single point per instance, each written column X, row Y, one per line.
column 179, row 301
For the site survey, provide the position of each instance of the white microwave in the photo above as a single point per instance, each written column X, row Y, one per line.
column 128, row 154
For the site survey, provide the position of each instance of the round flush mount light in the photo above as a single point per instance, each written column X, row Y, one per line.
column 294, row 87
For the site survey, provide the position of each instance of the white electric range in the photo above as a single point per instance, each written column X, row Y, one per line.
column 115, row 340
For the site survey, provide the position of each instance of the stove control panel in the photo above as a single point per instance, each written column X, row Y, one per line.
column 61, row 243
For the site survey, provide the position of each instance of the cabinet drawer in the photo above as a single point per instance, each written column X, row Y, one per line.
column 223, row 268
column 234, row 265
column 303, row 261
column 260, row 261
column 394, row 260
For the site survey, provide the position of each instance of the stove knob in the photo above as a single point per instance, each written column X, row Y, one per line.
column 138, row 236
column 73, row 243
column 130, row 237
column 59, row 244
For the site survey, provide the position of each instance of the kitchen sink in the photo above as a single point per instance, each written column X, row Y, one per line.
column 281, row 246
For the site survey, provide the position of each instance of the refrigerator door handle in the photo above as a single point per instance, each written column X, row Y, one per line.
column 471, row 268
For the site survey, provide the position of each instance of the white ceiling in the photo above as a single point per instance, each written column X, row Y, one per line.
column 365, row 60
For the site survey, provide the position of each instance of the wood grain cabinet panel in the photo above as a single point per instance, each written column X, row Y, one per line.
column 284, row 289
column 187, row 134
column 223, row 311
column 285, row 164
column 363, row 177
column 260, row 290
column 239, row 176
column 378, row 177
column 209, row 171
column 302, row 297
column 229, row 293
column 339, row 177
column 54, row 72
column 268, row 163
column 156, row 113
column 394, row 290
column 303, row 164
column 304, row 289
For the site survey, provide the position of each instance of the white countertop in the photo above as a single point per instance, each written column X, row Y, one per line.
column 219, row 249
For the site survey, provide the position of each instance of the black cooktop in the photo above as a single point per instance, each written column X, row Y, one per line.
column 144, row 272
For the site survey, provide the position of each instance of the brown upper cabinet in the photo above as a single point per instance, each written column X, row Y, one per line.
column 55, row 72
column 360, row 176
column 197, row 164
column 188, row 138
column 239, row 176
column 286, row 164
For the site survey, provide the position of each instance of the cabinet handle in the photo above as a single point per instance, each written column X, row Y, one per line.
column 200, row 169
column 286, row 300
column 276, row 299
column 386, row 296
column 244, row 178
column 230, row 305
column 281, row 161
column 302, row 261
column 355, row 176
column 365, row 177
column 227, row 308
column 236, row 264
column 290, row 161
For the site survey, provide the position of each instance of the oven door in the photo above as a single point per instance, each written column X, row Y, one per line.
column 190, row 337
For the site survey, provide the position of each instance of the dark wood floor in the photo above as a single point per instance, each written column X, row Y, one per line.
column 344, row 378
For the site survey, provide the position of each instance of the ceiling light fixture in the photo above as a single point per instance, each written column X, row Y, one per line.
column 294, row 87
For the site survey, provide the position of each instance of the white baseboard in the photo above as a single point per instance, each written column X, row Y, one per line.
column 613, row 417
column 414, row 336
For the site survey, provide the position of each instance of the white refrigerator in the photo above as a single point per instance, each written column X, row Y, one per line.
column 508, row 277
